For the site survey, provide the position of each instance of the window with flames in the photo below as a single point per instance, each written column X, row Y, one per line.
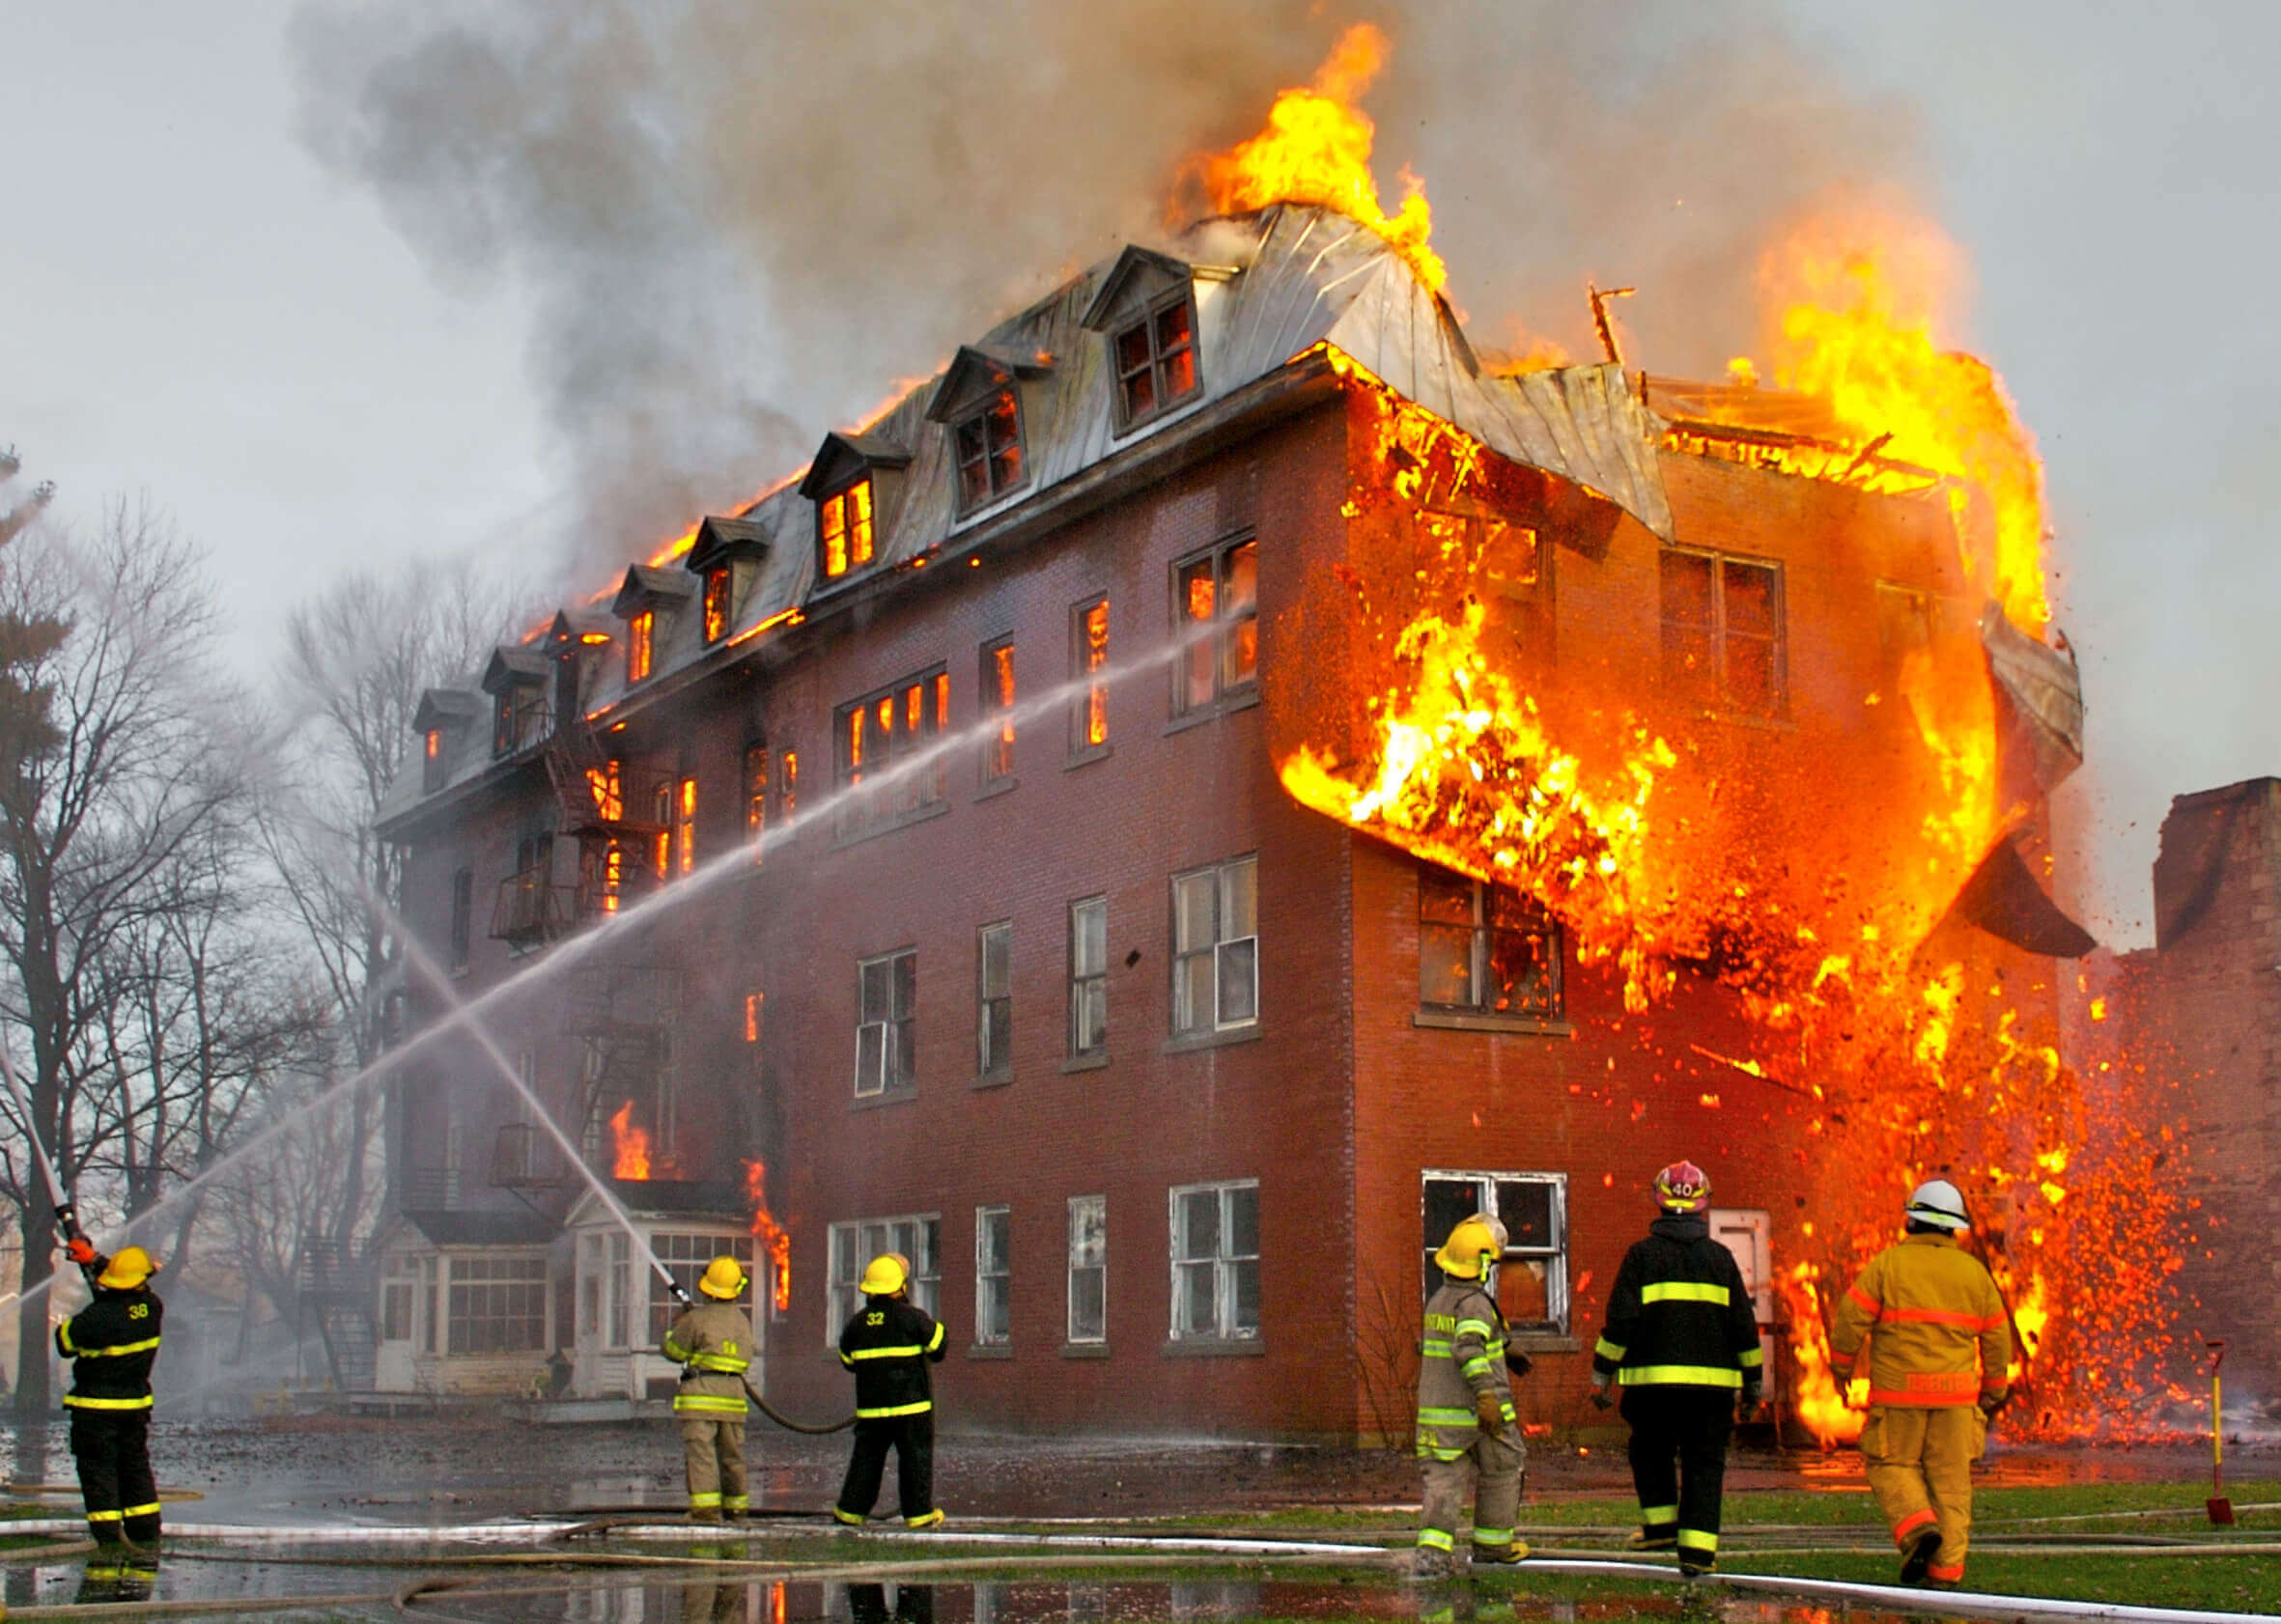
column 1156, row 360
column 843, row 529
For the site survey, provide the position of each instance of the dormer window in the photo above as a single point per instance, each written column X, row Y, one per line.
column 649, row 602
column 1156, row 360
column 432, row 761
column 639, row 647
column 726, row 557
column 716, row 604
column 518, row 718
column 987, row 441
column 843, row 529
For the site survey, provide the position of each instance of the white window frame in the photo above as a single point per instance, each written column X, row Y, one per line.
column 1224, row 1263
column 1223, row 949
column 985, row 1275
column 989, row 1062
column 888, row 1027
column 1087, row 985
column 1554, row 1257
column 853, row 1242
column 1098, row 1263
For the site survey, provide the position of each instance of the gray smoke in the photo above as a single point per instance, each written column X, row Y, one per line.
column 738, row 223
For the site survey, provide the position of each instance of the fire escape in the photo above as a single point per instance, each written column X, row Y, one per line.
column 621, row 1016
column 336, row 1288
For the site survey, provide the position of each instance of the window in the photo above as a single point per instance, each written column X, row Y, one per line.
column 1723, row 641
column 518, row 718
column 756, row 798
column 396, row 1298
column 887, row 1032
column 685, row 826
column 994, row 1025
column 1088, row 653
column 997, row 699
column 639, row 632
column 1089, row 977
column 1907, row 619
column 716, row 604
column 498, row 1305
column 987, row 444
column 789, row 796
column 1156, row 360
column 1088, row 1269
column 755, row 1004
column 685, row 1258
column 994, row 1275
column 853, row 1245
column 1485, row 948
column 432, row 761
column 1216, row 947
column 843, row 529
column 462, row 914
column 1217, row 605
column 1532, row 1283
column 885, row 731
column 1216, row 1260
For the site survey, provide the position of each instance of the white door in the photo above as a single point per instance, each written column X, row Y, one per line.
column 1749, row 1234
column 393, row 1371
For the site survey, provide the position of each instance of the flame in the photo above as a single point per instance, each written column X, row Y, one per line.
column 1316, row 149
column 629, row 1146
column 772, row 1235
column 1832, row 1416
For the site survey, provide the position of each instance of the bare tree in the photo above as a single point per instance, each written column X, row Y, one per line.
column 127, row 777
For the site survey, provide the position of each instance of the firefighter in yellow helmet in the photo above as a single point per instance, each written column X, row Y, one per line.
column 1465, row 1418
column 712, row 1341
column 112, row 1343
column 889, row 1344
column 1940, row 1346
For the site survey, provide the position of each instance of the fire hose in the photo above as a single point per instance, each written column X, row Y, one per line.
column 787, row 1422
column 67, row 1215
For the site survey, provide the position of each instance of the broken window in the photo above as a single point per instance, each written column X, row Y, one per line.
column 843, row 529
column 718, row 582
column 518, row 718
column 1088, row 655
column 1156, row 360
column 853, row 1245
column 1088, row 1269
column 756, row 798
column 993, row 1276
column 987, row 444
column 997, row 699
column 1089, row 977
column 1216, row 1260
column 1216, row 948
column 432, row 761
column 1216, row 611
column 640, row 631
column 887, row 1027
column 498, row 1305
column 994, row 1027
column 1531, row 1281
column 463, row 915
column 1485, row 949
column 886, row 738
column 1724, row 646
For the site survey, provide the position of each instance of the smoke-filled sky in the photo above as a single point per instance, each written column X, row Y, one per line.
column 345, row 282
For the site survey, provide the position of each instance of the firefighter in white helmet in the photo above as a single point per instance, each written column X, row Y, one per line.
column 1465, row 1418
column 713, row 1344
column 1940, row 1342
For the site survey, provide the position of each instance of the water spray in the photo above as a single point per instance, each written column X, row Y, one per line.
column 67, row 1214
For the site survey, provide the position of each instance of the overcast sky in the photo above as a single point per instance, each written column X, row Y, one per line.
column 195, row 306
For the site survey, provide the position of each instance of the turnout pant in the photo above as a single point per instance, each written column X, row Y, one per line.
column 913, row 1439
column 1920, row 1463
column 1678, row 1463
column 713, row 1450
column 113, row 1451
column 1492, row 1469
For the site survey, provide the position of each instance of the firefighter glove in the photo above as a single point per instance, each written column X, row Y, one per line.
column 1600, row 1399
column 1517, row 1362
column 1489, row 1410
column 1990, row 1403
column 1749, row 1396
column 80, row 1251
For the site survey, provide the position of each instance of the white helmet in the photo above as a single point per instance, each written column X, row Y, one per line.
column 1938, row 1203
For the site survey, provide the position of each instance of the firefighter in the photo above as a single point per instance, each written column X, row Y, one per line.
column 713, row 1344
column 112, row 1343
column 1465, row 1418
column 889, row 1344
column 1683, row 1343
column 1940, row 1344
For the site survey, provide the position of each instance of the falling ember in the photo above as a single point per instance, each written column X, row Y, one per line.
column 772, row 1235
column 1316, row 149
column 629, row 1146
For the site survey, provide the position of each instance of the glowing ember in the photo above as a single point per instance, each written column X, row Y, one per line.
column 629, row 1146
column 772, row 1235
column 1316, row 149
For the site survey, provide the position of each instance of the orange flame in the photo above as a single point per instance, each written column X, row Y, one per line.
column 1316, row 149
column 1832, row 1416
column 629, row 1146
column 772, row 1235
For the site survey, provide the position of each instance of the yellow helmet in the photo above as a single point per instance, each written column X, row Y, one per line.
column 129, row 1267
column 1473, row 1246
column 724, row 1279
column 890, row 1272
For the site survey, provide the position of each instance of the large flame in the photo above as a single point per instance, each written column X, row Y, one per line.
column 772, row 1235
column 629, row 1146
column 1316, row 149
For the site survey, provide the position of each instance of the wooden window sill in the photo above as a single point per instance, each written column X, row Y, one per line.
column 1463, row 1021
column 1190, row 1043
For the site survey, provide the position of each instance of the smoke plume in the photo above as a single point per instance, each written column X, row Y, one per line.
column 735, row 225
